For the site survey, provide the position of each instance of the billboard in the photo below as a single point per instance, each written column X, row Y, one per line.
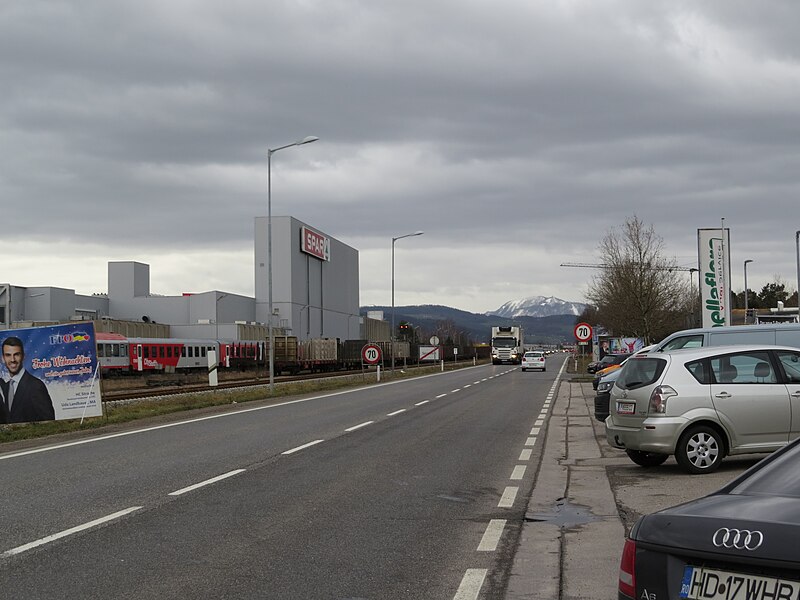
column 714, row 262
column 49, row 373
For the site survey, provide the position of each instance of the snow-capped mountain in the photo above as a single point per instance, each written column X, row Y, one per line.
column 538, row 306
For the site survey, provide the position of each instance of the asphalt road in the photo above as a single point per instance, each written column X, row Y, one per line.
column 414, row 489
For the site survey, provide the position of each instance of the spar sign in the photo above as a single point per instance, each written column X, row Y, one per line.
column 714, row 258
column 315, row 244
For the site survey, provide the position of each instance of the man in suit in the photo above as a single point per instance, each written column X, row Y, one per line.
column 3, row 406
column 27, row 398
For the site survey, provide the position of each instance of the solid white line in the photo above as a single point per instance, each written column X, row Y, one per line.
column 359, row 426
column 491, row 537
column 397, row 412
column 66, row 532
column 531, row 441
column 421, row 403
column 441, row 396
column 206, row 482
column 508, row 497
column 519, row 472
column 526, row 454
column 303, row 447
column 471, row 584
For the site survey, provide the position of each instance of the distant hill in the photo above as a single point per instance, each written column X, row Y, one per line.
column 538, row 306
column 552, row 329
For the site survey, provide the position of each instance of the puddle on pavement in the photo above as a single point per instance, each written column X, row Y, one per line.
column 564, row 514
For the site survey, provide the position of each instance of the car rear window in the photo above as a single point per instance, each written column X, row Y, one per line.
column 639, row 372
column 779, row 477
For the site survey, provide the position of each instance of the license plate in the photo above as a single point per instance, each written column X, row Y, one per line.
column 710, row 584
column 626, row 408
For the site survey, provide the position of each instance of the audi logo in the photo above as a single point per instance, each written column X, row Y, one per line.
column 739, row 539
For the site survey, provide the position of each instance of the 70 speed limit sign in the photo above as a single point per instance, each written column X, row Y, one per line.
column 371, row 354
column 583, row 332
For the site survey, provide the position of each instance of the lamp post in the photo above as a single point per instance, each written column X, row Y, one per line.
column 692, row 321
column 270, row 152
column 745, row 289
column 797, row 245
column 391, row 334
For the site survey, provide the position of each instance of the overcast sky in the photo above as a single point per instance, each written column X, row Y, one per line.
column 515, row 133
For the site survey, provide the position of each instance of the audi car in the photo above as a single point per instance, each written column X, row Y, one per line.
column 739, row 543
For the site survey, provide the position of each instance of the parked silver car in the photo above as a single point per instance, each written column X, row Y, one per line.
column 706, row 403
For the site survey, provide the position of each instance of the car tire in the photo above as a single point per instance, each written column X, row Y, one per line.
column 700, row 450
column 646, row 459
column 544, row 370
column 523, row 369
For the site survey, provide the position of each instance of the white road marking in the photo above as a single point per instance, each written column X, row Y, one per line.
column 397, row 412
column 531, row 441
column 491, row 537
column 66, row 532
column 359, row 426
column 471, row 584
column 535, row 431
column 468, row 385
column 508, row 497
column 421, row 403
column 441, row 396
column 526, row 454
column 518, row 472
column 206, row 482
column 303, row 447
column 455, row 390
column 539, row 422
column 477, row 382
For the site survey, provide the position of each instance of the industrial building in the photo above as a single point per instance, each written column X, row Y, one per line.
column 315, row 294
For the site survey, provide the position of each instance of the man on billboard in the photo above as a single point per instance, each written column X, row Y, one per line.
column 26, row 396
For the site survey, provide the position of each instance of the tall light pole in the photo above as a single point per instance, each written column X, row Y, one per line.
column 797, row 245
column 745, row 289
column 391, row 334
column 694, row 298
column 270, row 152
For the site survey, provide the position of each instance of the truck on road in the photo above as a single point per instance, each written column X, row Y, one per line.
column 507, row 344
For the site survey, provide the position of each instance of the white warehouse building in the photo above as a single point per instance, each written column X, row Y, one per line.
column 315, row 293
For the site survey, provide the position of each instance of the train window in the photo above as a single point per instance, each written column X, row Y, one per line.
column 114, row 349
column 183, row 351
column 146, row 350
column 169, row 351
column 161, row 351
column 100, row 350
column 124, row 349
column 203, row 350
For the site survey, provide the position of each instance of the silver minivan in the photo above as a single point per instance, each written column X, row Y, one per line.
column 703, row 404
column 779, row 334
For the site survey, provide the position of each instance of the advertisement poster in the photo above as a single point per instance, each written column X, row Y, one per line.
column 713, row 254
column 620, row 345
column 49, row 373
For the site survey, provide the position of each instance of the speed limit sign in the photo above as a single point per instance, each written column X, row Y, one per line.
column 371, row 354
column 583, row 332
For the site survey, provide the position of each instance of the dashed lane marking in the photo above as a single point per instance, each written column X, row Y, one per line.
column 397, row 412
column 526, row 454
column 206, row 482
column 508, row 497
column 518, row 472
column 359, row 426
column 303, row 447
column 491, row 537
column 471, row 584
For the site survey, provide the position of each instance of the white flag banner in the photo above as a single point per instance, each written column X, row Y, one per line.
column 714, row 260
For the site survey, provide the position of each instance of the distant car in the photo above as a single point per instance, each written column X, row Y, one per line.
column 534, row 360
column 606, row 361
column 737, row 543
column 701, row 405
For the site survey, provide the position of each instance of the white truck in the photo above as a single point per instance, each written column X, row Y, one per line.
column 507, row 344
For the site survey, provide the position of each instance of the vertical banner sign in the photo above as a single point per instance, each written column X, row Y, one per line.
column 713, row 257
column 49, row 373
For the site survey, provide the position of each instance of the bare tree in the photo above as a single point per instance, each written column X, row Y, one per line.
column 640, row 293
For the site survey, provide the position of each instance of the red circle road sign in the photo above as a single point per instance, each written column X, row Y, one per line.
column 583, row 332
column 371, row 354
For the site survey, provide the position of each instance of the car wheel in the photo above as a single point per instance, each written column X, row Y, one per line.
column 523, row 369
column 646, row 459
column 700, row 450
column 543, row 370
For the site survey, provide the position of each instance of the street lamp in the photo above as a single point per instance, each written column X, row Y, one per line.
column 391, row 334
column 797, row 245
column 270, row 152
column 745, row 289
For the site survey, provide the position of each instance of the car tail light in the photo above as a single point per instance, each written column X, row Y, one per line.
column 659, row 397
column 627, row 572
